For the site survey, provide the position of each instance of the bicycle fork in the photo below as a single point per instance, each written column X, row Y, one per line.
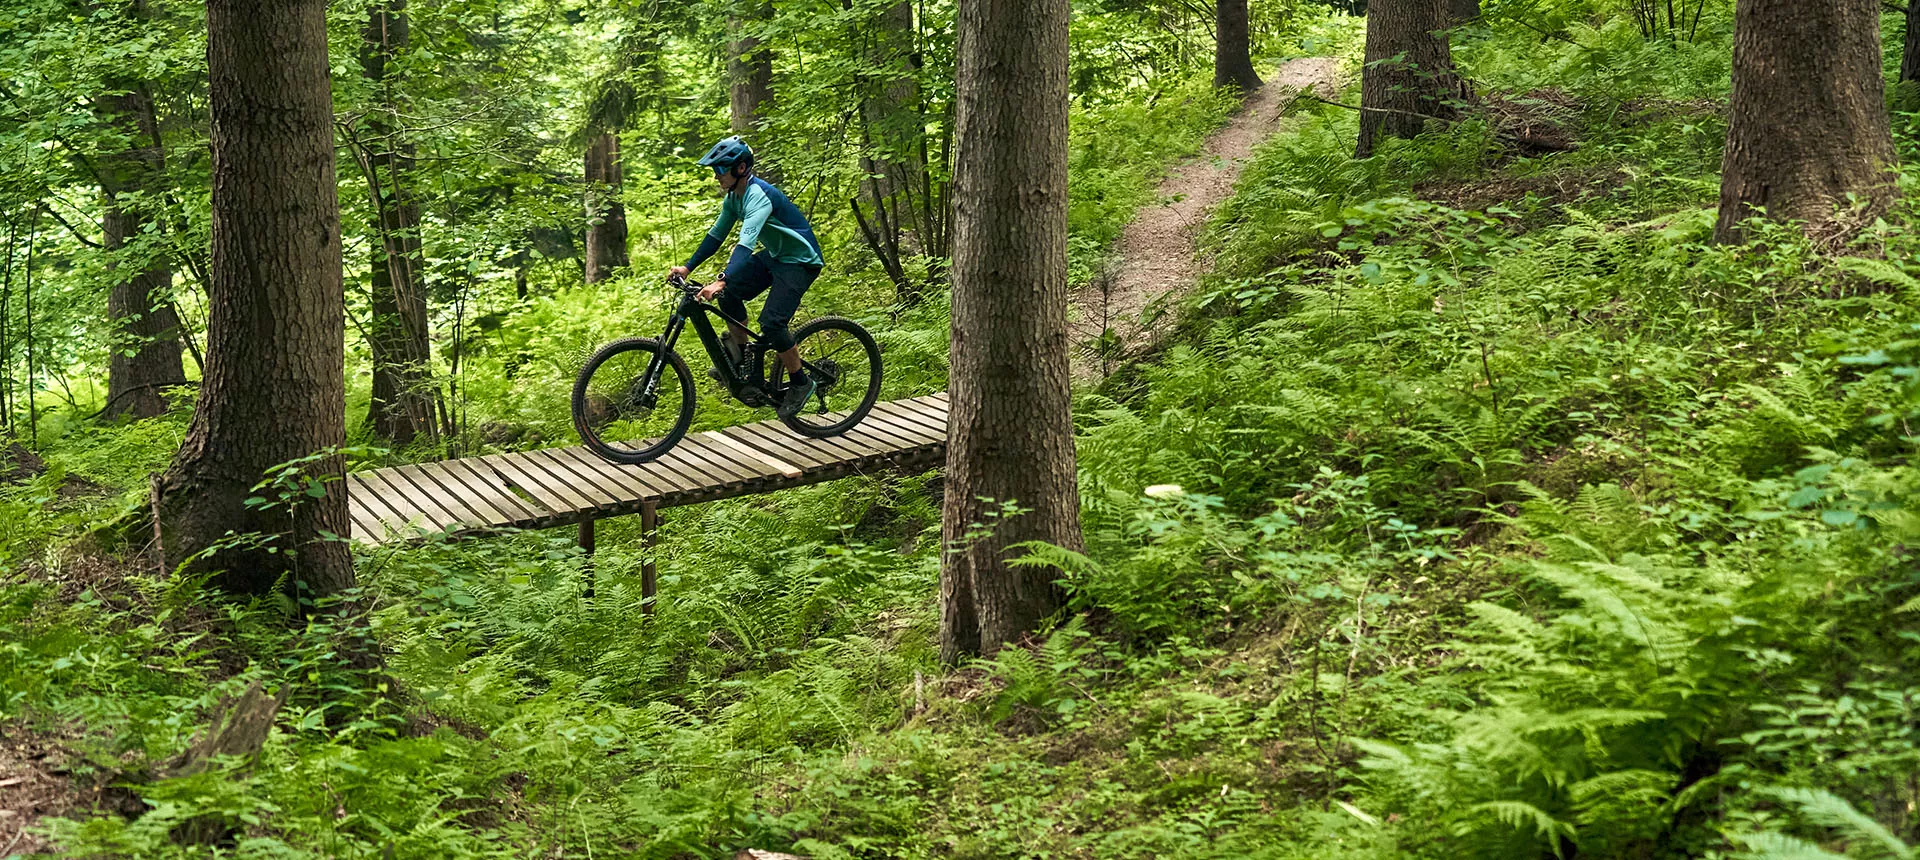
column 657, row 365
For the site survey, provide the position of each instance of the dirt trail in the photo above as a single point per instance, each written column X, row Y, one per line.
column 1155, row 258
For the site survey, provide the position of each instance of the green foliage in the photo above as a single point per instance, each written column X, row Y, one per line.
column 1480, row 507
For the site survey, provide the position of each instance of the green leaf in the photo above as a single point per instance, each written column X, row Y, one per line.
column 1805, row 497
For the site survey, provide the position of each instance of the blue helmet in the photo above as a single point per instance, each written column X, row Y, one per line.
column 725, row 154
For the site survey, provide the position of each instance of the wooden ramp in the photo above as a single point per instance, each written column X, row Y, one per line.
column 564, row 486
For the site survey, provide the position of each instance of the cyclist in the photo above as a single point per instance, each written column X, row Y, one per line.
column 786, row 263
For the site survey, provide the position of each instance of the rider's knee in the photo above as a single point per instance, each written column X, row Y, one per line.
column 776, row 331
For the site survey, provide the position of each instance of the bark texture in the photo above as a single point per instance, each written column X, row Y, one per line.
column 1809, row 123
column 145, row 346
column 274, row 389
column 406, row 402
column 1409, row 76
column 749, row 70
column 1232, row 47
column 1011, row 424
column 606, row 215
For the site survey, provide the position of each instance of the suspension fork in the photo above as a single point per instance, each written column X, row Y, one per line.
column 658, row 364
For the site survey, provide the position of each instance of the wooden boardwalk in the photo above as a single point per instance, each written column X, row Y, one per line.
column 566, row 486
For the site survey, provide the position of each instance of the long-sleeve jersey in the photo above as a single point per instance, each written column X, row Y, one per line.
column 767, row 219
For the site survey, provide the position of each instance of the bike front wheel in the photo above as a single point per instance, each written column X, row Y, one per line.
column 620, row 414
column 844, row 363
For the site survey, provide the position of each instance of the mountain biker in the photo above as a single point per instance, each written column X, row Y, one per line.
column 787, row 262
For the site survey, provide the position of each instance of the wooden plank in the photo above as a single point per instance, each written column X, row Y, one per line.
column 939, row 397
column 427, row 497
column 782, row 442
column 405, row 518
column 919, row 431
column 463, row 515
column 846, row 452
column 887, row 432
column 897, row 413
column 843, row 451
column 483, row 499
column 675, row 471
column 532, row 466
column 557, row 504
column 722, row 440
column 762, row 437
column 739, row 470
column 884, row 434
column 360, row 492
column 367, row 528
column 911, row 412
column 394, row 522
column 926, row 414
column 405, row 501
column 928, row 406
column 697, row 471
column 919, row 436
column 566, row 468
column 860, row 441
column 786, row 438
column 720, row 463
column 633, row 480
column 444, row 496
column 483, row 476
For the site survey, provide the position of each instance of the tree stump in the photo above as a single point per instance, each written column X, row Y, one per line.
column 239, row 729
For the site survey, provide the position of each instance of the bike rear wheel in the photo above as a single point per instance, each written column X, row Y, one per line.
column 616, row 417
column 844, row 363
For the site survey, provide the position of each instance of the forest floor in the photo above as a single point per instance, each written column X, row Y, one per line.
column 1157, row 258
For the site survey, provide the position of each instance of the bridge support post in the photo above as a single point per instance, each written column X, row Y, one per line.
column 649, row 575
column 586, row 549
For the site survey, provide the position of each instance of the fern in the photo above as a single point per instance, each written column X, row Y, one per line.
column 1517, row 814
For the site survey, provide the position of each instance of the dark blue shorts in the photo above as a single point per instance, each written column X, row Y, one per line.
column 784, row 284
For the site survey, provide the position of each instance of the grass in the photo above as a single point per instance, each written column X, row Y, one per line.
column 1504, row 526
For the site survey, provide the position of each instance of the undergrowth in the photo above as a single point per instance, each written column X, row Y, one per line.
column 1446, row 527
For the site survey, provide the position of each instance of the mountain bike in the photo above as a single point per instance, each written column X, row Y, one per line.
column 633, row 400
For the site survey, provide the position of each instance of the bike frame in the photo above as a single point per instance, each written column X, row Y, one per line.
column 691, row 308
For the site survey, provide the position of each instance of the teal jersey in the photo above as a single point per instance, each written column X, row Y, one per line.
column 768, row 222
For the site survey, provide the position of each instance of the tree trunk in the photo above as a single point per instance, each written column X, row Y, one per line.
column 405, row 402
column 888, row 105
column 1011, row 422
column 1809, row 125
column 1911, row 58
column 606, row 215
column 893, row 153
column 274, row 390
column 1409, row 76
column 144, row 347
column 1232, row 52
column 749, row 70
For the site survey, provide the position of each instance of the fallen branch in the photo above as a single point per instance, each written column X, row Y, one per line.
column 116, row 398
